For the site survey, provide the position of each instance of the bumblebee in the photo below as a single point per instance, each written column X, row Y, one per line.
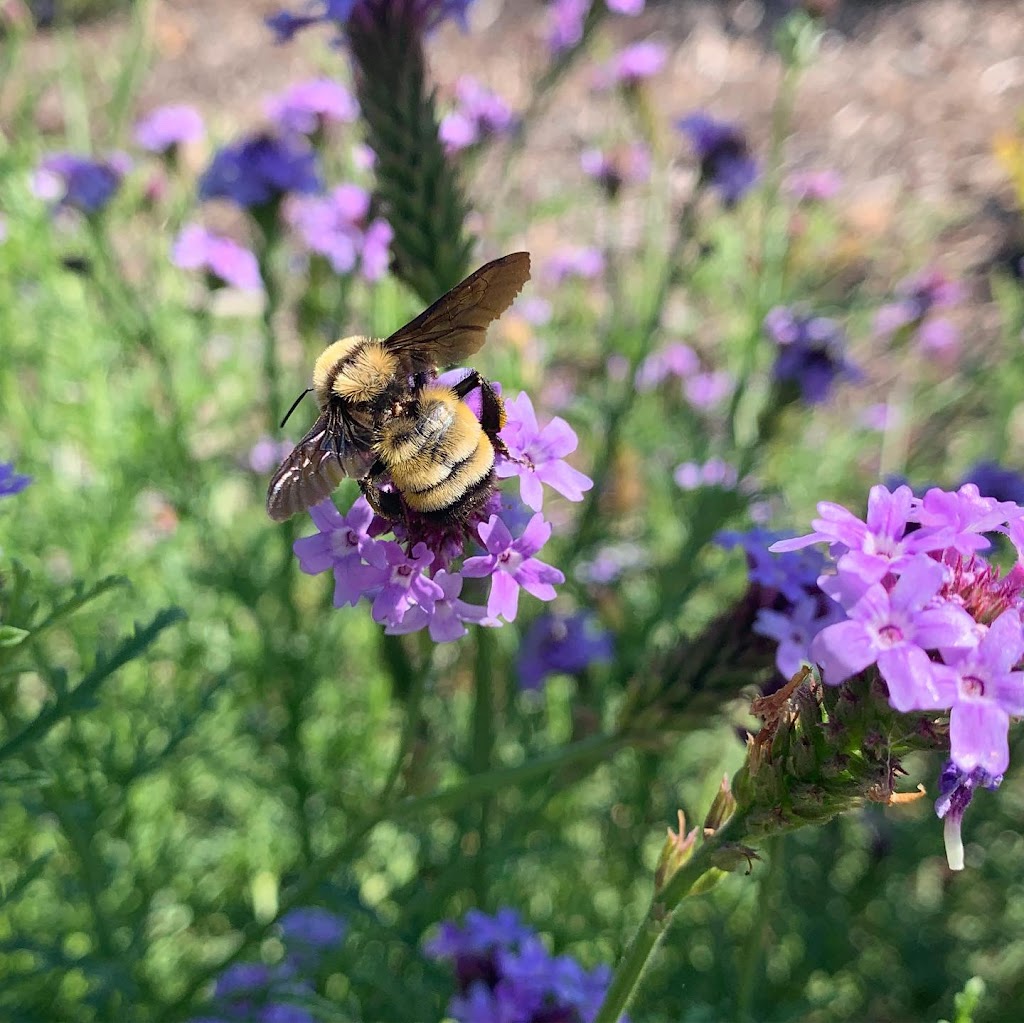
column 414, row 445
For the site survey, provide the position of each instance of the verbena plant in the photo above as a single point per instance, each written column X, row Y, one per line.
column 436, row 784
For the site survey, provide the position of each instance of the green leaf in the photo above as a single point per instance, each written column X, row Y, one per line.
column 12, row 636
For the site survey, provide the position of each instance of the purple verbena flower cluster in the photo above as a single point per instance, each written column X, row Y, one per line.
column 260, row 170
column 560, row 644
column 725, row 161
column 223, row 260
column 940, row 623
column 811, row 352
column 79, row 182
column 918, row 299
column 632, row 65
column 703, row 389
column 566, row 19
column 11, row 482
column 257, row 993
column 338, row 227
column 584, row 262
column 306, row 108
column 479, row 114
column 418, row 585
column 713, row 473
column 165, row 128
column 504, row 973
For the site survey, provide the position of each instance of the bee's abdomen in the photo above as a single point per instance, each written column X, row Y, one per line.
column 440, row 460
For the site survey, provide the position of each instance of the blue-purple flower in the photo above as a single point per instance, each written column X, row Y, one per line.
column 261, row 170
column 918, row 299
column 725, row 161
column 428, row 14
column 79, row 182
column 561, row 644
column 165, row 128
column 306, row 108
column 811, row 352
column 11, row 482
column 223, row 260
column 504, row 974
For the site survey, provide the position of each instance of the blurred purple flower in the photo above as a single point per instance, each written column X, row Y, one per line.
column 478, row 115
column 446, row 621
column 725, row 160
column 511, row 565
column 566, row 19
column 260, row 170
column 165, row 128
column 313, row 927
column 336, row 227
column 793, row 575
column 630, row 7
column 223, row 260
column 632, row 64
column 610, row 561
column 812, row 352
column 267, row 454
column 918, row 298
column 627, row 165
column 587, row 263
column 535, row 310
column 794, row 628
column 956, row 790
column 307, row 107
column 706, row 390
column 674, row 360
column 993, row 480
column 814, row 186
column 79, row 182
column 713, row 473
column 537, row 455
column 561, row 644
column 11, row 483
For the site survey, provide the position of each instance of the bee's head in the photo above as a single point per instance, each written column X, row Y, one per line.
column 329, row 362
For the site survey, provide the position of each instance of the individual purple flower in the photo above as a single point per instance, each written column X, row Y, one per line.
column 267, row 454
column 537, row 455
column 962, row 517
column 79, row 182
column 956, row 790
column 626, row 165
column 341, row 545
column 632, row 65
column 308, row 107
column 982, row 691
column 447, row 621
column 337, row 227
column 479, row 114
column 312, row 927
column 630, row 7
column 994, row 480
column 283, row 1012
column 725, row 161
column 894, row 628
column 566, row 19
column 11, row 483
column 243, row 988
column 813, row 186
column 224, row 261
column 811, row 353
column 261, row 170
column 404, row 582
column 917, row 300
column 609, row 563
column 165, row 128
column 561, row 644
column 587, row 263
column 511, row 565
column 674, row 360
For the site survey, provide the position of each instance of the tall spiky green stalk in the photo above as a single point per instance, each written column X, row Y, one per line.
column 417, row 187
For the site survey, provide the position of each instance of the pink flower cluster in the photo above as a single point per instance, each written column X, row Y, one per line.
column 940, row 622
column 419, row 585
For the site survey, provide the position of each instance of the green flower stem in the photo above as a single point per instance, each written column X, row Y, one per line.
column 482, row 750
column 637, row 957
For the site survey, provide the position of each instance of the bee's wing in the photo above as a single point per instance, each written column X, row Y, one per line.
column 317, row 464
column 455, row 326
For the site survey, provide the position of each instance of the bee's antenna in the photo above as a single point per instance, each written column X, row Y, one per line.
column 295, row 405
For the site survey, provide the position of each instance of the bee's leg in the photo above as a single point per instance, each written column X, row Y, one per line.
column 385, row 503
column 492, row 408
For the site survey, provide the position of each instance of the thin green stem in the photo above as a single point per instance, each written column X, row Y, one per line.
column 482, row 750
column 637, row 957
